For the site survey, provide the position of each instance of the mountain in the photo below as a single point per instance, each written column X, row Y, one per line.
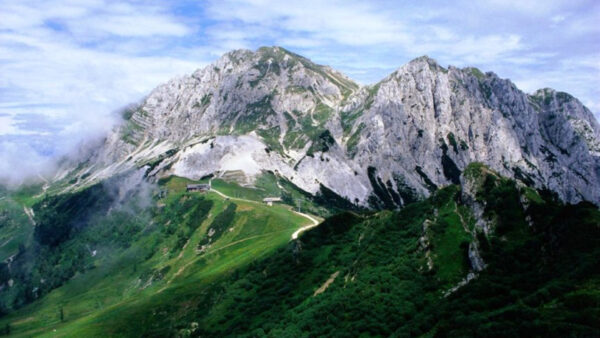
column 396, row 141
column 438, row 202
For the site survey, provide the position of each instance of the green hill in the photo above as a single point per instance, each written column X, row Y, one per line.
column 119, row 257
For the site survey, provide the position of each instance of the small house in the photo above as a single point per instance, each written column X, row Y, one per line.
column 198, row 187
column 270, row 200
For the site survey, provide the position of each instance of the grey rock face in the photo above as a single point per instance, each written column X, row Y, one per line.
column 424, row 116
column 382, row 145
column 477, row 263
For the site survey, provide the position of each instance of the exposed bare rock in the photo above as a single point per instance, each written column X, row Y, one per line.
column 382, row 145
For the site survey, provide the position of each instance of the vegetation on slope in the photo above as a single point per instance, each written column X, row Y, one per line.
column 541, row 280
column 325, row 203
column 16, row 229
column 113, row 260
column 372, row 274
column 368, row 274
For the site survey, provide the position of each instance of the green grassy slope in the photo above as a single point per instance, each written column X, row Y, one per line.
column 15, row 227
column 161, row 260
column 269, row 185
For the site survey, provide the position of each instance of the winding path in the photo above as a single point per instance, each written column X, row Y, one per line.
column 306, row 227
column 296, row 233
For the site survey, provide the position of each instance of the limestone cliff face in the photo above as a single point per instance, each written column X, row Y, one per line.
column 382, row 145
column 243, row 92
column 426, row 123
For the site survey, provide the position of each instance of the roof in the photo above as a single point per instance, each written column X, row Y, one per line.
column 200, row 185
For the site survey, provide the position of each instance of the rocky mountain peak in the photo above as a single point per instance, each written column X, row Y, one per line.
column 383, row 145
column 424, row 60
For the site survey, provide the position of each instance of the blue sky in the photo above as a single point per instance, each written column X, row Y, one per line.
column 67, row 66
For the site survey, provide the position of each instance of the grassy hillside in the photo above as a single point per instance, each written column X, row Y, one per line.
column 325, row 203
column 145, row 254
column 15, row 227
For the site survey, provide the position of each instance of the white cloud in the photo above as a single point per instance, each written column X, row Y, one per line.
column 7, row 125
column 51, row 66
column 532, row 8
column 558, row 18
column 129, row 25
column 349, row 22
column 573, row 76
column 90, row 19
column 20, row 161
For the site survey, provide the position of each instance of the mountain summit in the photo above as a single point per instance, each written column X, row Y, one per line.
column 378, row 146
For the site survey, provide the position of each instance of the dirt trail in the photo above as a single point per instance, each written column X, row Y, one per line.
column 232, row 198
column 7, row 241
column 183, row 249
column 306, row 227
column 295, row 235
column 327, row 283
column 185, row 266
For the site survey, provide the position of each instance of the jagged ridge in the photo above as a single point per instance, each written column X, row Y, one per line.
column 381, row 145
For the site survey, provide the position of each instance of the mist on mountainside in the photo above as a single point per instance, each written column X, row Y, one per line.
column 36, row 159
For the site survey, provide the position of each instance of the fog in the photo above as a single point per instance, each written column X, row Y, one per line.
column 21, row 163
column 130, row 192
column 36, row 158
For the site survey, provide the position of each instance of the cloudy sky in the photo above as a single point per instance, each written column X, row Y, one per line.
column 67, row 66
